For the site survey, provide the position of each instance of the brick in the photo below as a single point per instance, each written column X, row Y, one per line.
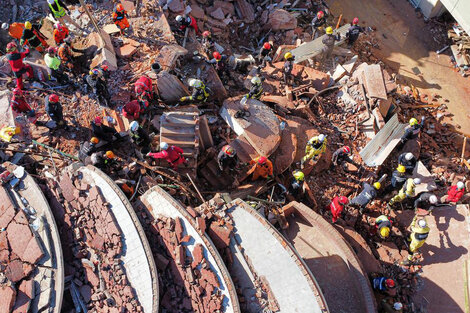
column 91, row 277
column 218, row 14
column 198, row 255
column 179, row 229
column 210, row 277
column 192, row 212
column 180, row 255
column 201, row 223
column 24, row 297
column 186, row 239
column 97, row 243
column 33, row 252
column 67, row 187
column 126, row 51
column 19, row 236
column 14, row 271
column 7, row 298
column 219, row 235
column 226, row 6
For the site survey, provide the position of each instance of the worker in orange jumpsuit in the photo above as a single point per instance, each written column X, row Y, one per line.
column 172, row 154
column 144, row 90
column 262, row 167
column 60, row 33
column 120, row 18
column 15, row 30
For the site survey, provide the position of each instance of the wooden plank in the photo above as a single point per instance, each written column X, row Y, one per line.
column 374, row 82
column 459, row 57
column 349, row 65
column 463, row 148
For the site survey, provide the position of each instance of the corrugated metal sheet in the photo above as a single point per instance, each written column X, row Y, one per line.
column 378, row 149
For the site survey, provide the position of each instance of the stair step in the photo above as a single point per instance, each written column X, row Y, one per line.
column 177, row 131
column 179, row 119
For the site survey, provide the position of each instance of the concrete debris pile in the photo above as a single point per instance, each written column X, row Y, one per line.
column 92, row 247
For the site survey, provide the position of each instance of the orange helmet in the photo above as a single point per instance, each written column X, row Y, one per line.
column 119, row 8
column 262, row 160
column 267, row 46
column 110, row 154
column 320, row 14
column 390, row 283
column 217, row 56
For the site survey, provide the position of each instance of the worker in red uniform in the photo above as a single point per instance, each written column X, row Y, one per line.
column 131, row 110
column 144, row 90
column 172, row 154
column 16, row 62
column 60, row 33
column 19, row 104
column 120, row 18
column 33, row 37
column 454, row 193
column 187, row 21
column 337, row 207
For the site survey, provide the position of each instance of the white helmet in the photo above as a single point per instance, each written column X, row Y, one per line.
column 422, row 223
column 179, row 18
column 163, row 145
column 460, row 185
column 409, row 156
column 417, row 181
column 133, row 126
column 433, row 199
column 397, row 306
column 196, row 83
column 321, row 137
column 50, row 1
column 256, row 80
column 5, row 26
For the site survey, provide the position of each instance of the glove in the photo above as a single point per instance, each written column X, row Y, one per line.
column 183, row 99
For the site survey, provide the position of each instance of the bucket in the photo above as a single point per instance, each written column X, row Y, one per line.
column 156, row 67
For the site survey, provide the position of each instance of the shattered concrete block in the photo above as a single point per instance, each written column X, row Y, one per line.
column 246, row 10
column 282, row 20
column 24, row 296
column 129, row 6
column 127, row 51
column 218, row 14
column 111, row 29
column 226, row 6
column 197, row 12
column 7, row 298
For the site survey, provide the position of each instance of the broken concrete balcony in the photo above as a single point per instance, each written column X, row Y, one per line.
column 322, row 247
column 260, row 252
column 194, row 251
column 31, row 259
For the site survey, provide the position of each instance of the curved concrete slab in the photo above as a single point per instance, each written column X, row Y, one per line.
column 263, row 252
column 325, row 251
column 160, row 203
column 137, row 256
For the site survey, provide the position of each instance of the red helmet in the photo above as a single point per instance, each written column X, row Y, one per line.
column 346, row 149
column 355, row 21
column 50, row 50
column 390, row 283
column 12, row 46
column 104, row 67
column 217, row 56
column 206, row 34
column 54, row 98
column 119, row 8
column 320, row 14
column 262, row 160
column 267, row 46
column 17, row 92
column 98, row 120
column 343, row 200
column 228, row 150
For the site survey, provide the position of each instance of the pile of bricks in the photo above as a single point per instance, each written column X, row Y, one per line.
column 19, row 253
column 92, row 245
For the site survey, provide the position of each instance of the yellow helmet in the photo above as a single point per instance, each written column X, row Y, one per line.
column 377, row 185
column 94, row 140
column 413, row 121
column 329, row 30
column 110, row 154
column 288, row 55
column 28, row 25
column 298, row 175
column 401, row 169
column 384, row 232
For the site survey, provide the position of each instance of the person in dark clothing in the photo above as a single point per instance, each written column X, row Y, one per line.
column 296, row 186
column 425, row 201
column 103, row 132
column 139, row 137
column 207, row 42
column 99, row 87
column 105, row 161
column 220, row 62
column 366, row 196
column 264, row 55
column 87, row 148
column 413, row 131
column 33, row 37
column 353, row 32
column 15, row 58
column 341, row 157
column 398, row 178
column 227, row 159
column 317, row 23
column 384, row 285
column 408, row 160
column 288, row 67
column 200, row 92
column 54, row 109
column 256, row 90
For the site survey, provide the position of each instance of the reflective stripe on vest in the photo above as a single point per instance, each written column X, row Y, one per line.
column 60, row 12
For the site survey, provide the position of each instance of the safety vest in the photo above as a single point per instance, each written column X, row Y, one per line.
column 52, row 62
column 60, row 12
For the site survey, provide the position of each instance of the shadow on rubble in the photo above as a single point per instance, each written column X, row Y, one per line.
column 431, row 298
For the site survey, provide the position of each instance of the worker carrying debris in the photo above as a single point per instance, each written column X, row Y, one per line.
column 353, row 32
column 425, row 201
column 287, row 69
column 408, row 160
column 296, row 186
column 413, row 130
column 384, row 285
column 60, row 33
column 264, row 55
column 15, row 30
column 104, row 132
column 208, row 44
column 454, row 193
column 261, row 167
column 172, row 154
column 382, row 226
column 398, row 178
column 19, row 105
column 15, row 58
column 337, row 206
column 367, row 195
column 105, row 161
column 187, row 21
column 53, row 63
column 87, row 148
column 120, row 18
column 139, row 137
column 341, row 157
column 200, row 91
column 220, row 62
column 256, row 90
column 144, row 91
column 99, row 87
column 419, row 232
column 317, row 24
column 407, row 191
column 54, row 109
column 33, row 37
column 314, row 148
column 328, row 41
column 227, row 159
column 61, row 13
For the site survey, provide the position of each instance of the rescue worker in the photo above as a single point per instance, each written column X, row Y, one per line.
column 353, row 32
column 99, row 87
column 60, row 33
column 68, row 59
column 384, row 285
column 383, row 226
column 53, row 63
column 19, row 104
column 297, row 183
column 408, row 160
column 144, row 90
column 227, row 159
column 366, row 196
column 419, row 232
column 288, row 67
column 200, row 91
column 187, row 21
column 413, row 131
column 407, row 191
column 264, row 55
column 341, row 157
column 87, row 148
column 256, row 90
column 317, row 24
column 425, row 201
column 172, row 154
column 105, row 161
column 120, row 18
column 261, row 167
column 337, row 206
column 104, row 71
column 54, row 109
column 15, row 58
column 208, row 43
column 328, row 41
column 454, row 193
column 131, row 110
column 220, row 62
column 103, row 132
column 60, row 12
column 15, row 30
column 398, row 177
column 139, row 137
column 33, row 37
column 314, row 148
